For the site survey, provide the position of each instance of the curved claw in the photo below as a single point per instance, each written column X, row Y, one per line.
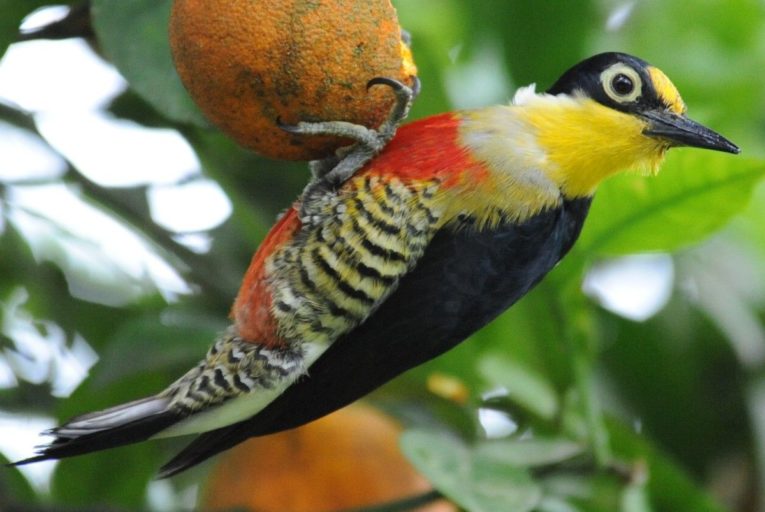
column 382, row 80
column 395, row 84
column 289, row 128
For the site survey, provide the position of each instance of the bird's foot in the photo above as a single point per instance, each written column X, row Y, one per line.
column 330, row 173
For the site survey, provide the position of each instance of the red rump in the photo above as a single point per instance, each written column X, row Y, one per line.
column 252, row 308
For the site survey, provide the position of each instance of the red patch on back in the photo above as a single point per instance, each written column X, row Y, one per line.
column 252, row 309
column 428, row 149
column 421, row 151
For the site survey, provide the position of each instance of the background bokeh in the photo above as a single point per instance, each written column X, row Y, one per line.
column 632, row 378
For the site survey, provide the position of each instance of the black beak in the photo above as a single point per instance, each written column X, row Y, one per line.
column 681, row 131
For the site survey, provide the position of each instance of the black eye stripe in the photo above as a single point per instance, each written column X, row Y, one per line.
column 622, row 84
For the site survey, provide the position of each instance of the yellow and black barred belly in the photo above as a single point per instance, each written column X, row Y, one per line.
column 344, row 263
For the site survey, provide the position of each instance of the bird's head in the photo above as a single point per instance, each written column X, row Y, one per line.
column 608, row 113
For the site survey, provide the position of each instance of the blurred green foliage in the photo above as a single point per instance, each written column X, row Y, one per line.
column 611, row 414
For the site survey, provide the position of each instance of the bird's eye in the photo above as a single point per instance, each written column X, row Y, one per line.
column 621, row 83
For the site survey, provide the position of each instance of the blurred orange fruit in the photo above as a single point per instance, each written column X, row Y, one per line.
column 248, row 62
column 347, row 459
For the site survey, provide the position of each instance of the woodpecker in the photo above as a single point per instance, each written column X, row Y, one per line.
column 455, row 219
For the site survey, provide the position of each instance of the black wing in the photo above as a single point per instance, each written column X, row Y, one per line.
column 463, row 281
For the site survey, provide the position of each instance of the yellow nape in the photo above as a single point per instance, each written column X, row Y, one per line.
column 586, row 142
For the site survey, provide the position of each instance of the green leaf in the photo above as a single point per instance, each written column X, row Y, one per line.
column 635, row 499
column 115, row 477
column 556, row 504
column 529, row 452
column 134, row 36
column 585, row 491
column 524, row 386
column 664, row 370
column 475, row 480
column 13, row 484
column 695, row 194
column 668, row 486
column 151, row 343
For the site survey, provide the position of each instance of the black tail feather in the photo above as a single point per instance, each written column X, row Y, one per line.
column 68, row 444
column 205, row 446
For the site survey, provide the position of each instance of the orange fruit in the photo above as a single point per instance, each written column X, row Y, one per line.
column 248, row 62
column 345, row 460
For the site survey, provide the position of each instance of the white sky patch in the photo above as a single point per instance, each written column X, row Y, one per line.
column 56, row 76
column 163, row 497
column 118, row 153
column 496, row 424
column 635, row 287
column 73, row 366
column 200, row 243
column 193, row 206
column 7, row 376
column 19, row 434
column 24, row 156
column 41, row 351
column 90, row 246
column 44, row 16
column 33, row 358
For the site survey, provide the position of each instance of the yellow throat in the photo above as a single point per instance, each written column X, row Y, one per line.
column 586, row 142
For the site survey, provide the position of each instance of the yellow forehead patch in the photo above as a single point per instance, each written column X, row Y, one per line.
column 666, row 90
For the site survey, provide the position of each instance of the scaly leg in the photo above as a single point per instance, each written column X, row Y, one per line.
column 331, row 172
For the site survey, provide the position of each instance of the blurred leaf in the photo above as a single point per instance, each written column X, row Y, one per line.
column 635, row 499
column 116, row 477
column 436, row 34
column 531, row 333
column 134, row 36
column 475, row 480
column 523, row 385
column 48, row 292
column 534, row 51
column 151, row 343
column 688, row 395
column 14, row 11
column 257, row 187
column 669, row 488
column 695, row 194
column 585, row 491
column 529, row 452
column 13, row 484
